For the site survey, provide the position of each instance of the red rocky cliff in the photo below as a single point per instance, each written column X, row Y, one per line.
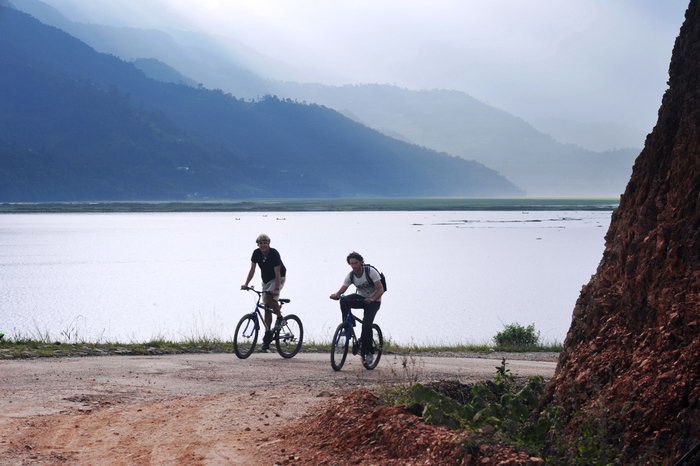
column 631, row 358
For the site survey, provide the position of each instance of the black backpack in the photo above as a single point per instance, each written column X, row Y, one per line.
column 367, row 266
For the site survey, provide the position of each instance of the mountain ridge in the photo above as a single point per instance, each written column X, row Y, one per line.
column 442, row 120
column 456, row 123
column 97, row 120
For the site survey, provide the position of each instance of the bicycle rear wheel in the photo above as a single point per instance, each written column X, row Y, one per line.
column 246, row 336
column 339, row 346
column 377, row 346
column 288, row 339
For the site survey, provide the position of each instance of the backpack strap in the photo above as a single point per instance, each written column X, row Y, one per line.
column 369, row 280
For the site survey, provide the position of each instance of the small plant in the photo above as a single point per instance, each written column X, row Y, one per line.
column 517, row 337
column 503, row 404
column 593, row 441
column 507, row 409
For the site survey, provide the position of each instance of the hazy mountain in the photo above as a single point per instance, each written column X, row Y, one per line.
column 156, row 69
column 454, row 122
column 77, row 125
column 197, row 56
column 446, row 121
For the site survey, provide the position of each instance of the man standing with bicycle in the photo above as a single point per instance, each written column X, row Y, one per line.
column 368, row 296
column 273, row 273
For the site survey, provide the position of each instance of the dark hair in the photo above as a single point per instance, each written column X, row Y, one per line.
column 355, row 255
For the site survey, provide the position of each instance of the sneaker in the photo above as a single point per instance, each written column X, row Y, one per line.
column 264, row 348
column 280, row 323
column 369, row 359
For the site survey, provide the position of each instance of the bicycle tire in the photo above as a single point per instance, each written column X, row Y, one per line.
column 377, row 345
column 246, row 336
column 289, row 338
column 339, row 346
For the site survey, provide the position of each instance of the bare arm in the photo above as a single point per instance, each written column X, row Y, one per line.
column 340, row 291
column 378, row 292
column 251, row 272
column 278, row 280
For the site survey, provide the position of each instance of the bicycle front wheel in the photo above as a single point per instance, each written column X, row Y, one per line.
column 288, row 339
column 246, row 336
column 339, row 346
column 377, row 346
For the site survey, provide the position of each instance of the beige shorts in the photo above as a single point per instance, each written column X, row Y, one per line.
column 270, row 286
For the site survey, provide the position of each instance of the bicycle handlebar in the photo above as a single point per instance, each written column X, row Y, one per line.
column 260, row 293
column 252, row 288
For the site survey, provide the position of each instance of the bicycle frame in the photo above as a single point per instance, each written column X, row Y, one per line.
column 260, row 305
column 344, row 334
column 349, row 320
column 287, row 333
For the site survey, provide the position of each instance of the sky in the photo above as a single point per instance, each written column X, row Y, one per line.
column 588, row 72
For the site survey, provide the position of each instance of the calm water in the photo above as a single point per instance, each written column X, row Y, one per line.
column 453, row 277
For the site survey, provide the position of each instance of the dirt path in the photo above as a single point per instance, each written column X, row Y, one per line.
column 193, row 408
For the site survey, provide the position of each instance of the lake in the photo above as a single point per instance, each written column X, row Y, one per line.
column 453, row 276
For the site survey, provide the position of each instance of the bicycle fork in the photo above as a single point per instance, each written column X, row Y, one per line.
column 349, row 334
column 250, row 329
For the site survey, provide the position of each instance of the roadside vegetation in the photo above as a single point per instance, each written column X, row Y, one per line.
column 505, row 411
column 514, row 338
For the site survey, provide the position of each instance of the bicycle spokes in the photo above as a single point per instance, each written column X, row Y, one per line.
column 287, row 333
column 339, row 347
column 245, row 336
column 289, row 337
column 249, row 329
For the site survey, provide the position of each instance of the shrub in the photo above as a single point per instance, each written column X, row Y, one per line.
column 517, row 336
column 503, row 404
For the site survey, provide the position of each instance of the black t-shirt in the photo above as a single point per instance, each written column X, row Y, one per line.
column 268, row 264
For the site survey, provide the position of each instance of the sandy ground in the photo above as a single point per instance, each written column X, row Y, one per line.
column 194, row 408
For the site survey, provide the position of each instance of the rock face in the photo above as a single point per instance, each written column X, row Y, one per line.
column 631, row 358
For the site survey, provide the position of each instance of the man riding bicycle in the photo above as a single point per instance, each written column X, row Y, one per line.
column 368, row 295
column 273, row 273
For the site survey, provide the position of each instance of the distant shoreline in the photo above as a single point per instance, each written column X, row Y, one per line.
column 315, row 205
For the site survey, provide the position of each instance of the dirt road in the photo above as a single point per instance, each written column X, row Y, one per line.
column 192, row 408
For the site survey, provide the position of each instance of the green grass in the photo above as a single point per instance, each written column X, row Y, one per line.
column 513, row 339
column 28, row 348
column 36, row 348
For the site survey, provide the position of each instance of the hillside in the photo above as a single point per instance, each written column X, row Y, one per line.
column 197, row 56
column 79, row 125
column 630, row 368
column 456, row 123
column 442, row 120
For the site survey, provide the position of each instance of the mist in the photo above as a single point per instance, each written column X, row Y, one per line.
column 587, row 72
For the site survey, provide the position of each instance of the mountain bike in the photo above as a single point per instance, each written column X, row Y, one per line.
column 288, row 333
column 345, row 335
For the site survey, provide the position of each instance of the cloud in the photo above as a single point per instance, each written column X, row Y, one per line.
column 544, row 60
